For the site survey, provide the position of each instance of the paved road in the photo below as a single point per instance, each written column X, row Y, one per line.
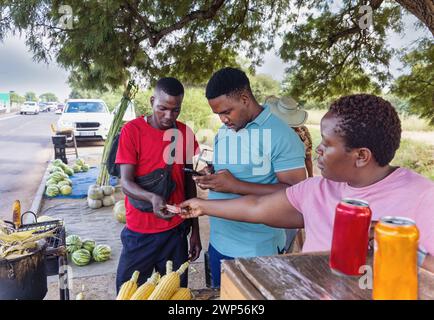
column 25, row 148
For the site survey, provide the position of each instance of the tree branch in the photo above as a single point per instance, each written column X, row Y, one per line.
column 422, row 9
column 195, row 15
column 374, row 4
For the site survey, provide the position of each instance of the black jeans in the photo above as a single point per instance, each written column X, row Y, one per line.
column 144, row 252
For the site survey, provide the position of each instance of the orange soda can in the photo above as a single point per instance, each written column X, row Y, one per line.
column 395, row 259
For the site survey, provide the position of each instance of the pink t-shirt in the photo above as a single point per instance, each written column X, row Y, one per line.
column 402, row 193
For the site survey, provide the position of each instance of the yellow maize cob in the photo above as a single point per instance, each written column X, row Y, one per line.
column 145, row 290
column 16, row 214
column 169, row 283
column 128, row 288
column 182, row 294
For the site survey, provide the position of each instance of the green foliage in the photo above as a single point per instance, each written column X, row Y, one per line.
column 332, row 56
column 30, row 96
column 48, row 97
column 109, row 39
column 417, row 156
column 263, row 85
column 329, row 53
column 418, row 86
column 16, row 98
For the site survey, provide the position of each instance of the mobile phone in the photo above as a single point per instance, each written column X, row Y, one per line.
column 193, row 172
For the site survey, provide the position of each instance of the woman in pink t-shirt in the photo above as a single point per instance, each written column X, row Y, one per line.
column 360, row 135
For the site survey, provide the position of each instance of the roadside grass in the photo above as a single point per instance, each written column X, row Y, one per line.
column 408, row 122
column 414, row 155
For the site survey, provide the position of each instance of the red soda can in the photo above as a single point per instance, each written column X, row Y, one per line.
column 350, row 237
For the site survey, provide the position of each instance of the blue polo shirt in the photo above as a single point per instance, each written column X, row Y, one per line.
column 266, row 145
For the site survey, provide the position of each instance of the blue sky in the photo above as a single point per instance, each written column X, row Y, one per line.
column 18, row 71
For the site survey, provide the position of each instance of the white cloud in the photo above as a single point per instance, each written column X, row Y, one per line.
column 19, row 73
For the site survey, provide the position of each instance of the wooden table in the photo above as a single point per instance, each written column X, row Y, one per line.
column 298, row 277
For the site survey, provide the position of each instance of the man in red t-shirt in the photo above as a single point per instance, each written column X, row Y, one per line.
column 146, row 144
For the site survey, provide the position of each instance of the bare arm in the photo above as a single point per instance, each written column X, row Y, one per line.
column 224, row 181
column 130, row 187
column 286, row 179
column 273, row 210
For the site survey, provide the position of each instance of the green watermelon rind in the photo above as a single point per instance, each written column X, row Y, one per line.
column 81, row 257
column 101, row 253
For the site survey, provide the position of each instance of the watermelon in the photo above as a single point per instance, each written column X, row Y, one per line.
column 69, row 171
column 89, row 245
column 51, row 182
column 57, row 163
column 66, row 190
column 81, row 257
column 73, row 243
column 102, row 252
column 119, row 211
column 63, row 183
column 58, row 176
column 56, row 169
column 79, row 162
column 52, row 190
column 76, row 168
column 69, row 181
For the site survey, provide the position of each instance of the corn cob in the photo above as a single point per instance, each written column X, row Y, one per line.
column 17, row 236
column 128, row 288
column 182, row 294
column 145, row 290
column 169, row 283
column 16, row 214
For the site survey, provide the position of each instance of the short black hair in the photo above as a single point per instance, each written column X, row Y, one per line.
column 368, row 121
column 227, row 81
column 171, row 86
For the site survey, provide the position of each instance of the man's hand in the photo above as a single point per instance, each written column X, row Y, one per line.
column 159, row 207
column 191, row 208
column 195, row 245
column 222, row 181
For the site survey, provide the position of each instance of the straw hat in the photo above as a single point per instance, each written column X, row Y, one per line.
column 287, row 109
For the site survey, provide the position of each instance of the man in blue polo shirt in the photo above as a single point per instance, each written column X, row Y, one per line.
column 254, row 153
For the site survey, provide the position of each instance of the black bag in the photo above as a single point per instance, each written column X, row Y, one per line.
column 158, row 181
column 113, row 168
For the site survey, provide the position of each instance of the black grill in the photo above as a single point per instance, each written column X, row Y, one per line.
column 87, row 125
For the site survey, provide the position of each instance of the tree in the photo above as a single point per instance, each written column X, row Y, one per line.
column 30, row 96
column 103, row 42
column 48, row 97
column 418, row 86
column 16, row 98
column 331, row 45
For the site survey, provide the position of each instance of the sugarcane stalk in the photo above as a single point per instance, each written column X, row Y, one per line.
column 128, row 95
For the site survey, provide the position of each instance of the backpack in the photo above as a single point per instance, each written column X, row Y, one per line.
column 113, row 168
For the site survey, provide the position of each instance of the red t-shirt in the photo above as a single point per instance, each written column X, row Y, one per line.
column 146, row 147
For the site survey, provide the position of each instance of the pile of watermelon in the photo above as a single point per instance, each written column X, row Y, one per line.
column 58, row 183
column 84, row 251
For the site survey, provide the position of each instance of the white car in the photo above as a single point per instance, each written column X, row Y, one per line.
column 29, row 107
column 90, row 119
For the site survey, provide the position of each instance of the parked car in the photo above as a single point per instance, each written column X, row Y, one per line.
column 29, row 107
column 43, row 106
column 89, row 119
column 59, row 108
column 51, row 106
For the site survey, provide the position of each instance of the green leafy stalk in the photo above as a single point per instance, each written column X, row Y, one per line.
column 116, row 125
